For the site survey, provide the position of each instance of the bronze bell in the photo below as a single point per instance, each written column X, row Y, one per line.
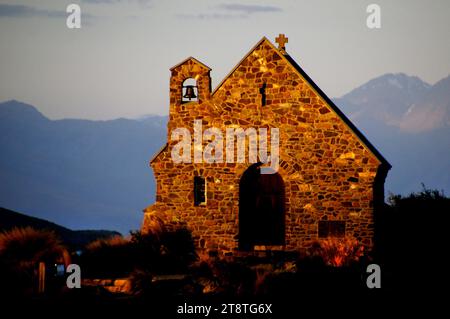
column 190, row 93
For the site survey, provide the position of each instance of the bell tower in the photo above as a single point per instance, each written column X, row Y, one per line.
column 190, row 82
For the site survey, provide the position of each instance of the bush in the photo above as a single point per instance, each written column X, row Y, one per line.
column 115, row 241
column 338, row 252
column 166, row 252
column 224, row 277
column 413, row 229
column 141, row 282
column 21, row 251
column 105, row 258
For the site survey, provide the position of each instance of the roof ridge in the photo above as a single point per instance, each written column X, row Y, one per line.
column 239, row 63
column 191, row 58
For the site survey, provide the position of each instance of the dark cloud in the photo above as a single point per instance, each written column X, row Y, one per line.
column 143, row 2
column 102, row 1
column 232, row 11
column 249, row 8
column 208, row 16
column 23, row 11
column 18, row 11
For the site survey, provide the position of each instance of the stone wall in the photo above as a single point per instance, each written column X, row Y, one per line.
column 328, row 172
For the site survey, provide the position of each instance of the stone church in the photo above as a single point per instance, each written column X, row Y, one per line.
column 330, row 179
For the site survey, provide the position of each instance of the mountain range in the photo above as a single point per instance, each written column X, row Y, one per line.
column 75, row 239
column 408, row 121
column 77, row 173
column 95, row 174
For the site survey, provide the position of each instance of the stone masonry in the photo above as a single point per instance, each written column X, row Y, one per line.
column 330, row 171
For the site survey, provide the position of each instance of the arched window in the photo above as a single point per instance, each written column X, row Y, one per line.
column 189, row 92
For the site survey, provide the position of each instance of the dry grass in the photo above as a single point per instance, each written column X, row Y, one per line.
column 115, row 241
column 339, row 252
column 25, row 247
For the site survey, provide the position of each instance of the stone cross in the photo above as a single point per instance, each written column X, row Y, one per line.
column 281, row 40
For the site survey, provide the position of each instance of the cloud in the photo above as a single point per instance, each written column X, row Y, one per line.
column 206, row 16
column 102, row 1
column 23, row 11
column 233, row 11
column 249, row 8
column 142, row 2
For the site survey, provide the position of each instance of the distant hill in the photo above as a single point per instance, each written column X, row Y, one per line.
column 384, row 99
column 431, row 111
column 73, row 238
column 408, row 120
column 77, row 173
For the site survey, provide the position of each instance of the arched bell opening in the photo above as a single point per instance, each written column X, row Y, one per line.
column 189, row 92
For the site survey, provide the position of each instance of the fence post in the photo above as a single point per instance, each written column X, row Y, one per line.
column 41, row 288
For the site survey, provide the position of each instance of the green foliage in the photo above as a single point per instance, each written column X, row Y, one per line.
column 427, row 197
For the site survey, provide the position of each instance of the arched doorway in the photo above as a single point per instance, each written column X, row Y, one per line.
column 261, row 208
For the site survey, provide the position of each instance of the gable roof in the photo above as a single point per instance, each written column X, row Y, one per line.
column 339, row 113
column 162, row 149
column 239, row 63
column 319, row 93
column 195, row 61
column 315, row 88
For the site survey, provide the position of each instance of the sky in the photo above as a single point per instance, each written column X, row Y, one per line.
column 117, row 64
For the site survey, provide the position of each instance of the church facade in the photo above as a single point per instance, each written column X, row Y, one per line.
column 329, row 182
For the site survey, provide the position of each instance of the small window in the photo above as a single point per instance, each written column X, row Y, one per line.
column 262, row 91
column 189, row 92
column 331, row 228
column 199, row 191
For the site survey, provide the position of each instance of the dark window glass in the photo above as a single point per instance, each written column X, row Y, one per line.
column 331, row 229
column 199, row 190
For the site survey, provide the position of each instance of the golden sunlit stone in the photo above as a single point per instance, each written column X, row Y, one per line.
column 367, row 175
column 325, row 173
column 305, row 188
column 349, row 155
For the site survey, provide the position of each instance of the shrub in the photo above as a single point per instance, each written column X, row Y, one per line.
column 225, row 277
column 141, row 282
column 339, row 252
column 169, row 251
column 25, row 247
column 21, row 250
column 166, row 252
column 414, row 228
column 115, row 241
column 111, row 257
